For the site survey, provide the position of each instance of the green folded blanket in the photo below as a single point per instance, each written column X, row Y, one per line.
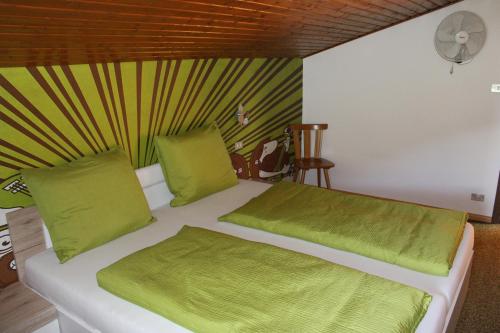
column 416, row 237
column 211, row 282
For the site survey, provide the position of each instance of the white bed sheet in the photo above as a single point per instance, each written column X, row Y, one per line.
column 72, row 287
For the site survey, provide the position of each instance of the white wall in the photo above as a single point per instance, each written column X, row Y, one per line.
column 400, row 125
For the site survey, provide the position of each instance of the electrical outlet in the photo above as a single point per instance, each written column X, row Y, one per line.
column 238, row 145
column 477, row 197
column 495, row 88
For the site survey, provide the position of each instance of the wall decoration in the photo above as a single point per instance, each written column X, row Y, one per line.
column 242, row 116
column 54, row 114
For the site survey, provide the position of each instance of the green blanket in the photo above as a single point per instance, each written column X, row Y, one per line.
column 211, row 282
column 416, row 237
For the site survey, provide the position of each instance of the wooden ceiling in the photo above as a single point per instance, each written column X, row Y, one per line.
column 87, row 31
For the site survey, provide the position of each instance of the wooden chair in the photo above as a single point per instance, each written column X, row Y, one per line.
column 304, row 162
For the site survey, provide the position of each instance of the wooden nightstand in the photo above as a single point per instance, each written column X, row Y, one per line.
column 23, row 311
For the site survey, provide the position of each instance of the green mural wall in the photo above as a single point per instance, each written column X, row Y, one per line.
column 54, row 114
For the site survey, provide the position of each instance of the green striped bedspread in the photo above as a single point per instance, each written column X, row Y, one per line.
column 412, row 236
column 212, row 282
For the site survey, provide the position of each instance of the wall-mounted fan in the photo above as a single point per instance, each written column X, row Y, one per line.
column 459, row 37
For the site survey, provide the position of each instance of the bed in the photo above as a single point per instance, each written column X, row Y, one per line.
column 84, row 307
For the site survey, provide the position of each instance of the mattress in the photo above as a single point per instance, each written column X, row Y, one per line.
column 72, row 287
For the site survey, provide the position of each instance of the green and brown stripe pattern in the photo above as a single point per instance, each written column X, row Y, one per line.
column 54, row 114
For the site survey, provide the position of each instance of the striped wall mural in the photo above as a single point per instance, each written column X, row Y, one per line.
column 55, row 114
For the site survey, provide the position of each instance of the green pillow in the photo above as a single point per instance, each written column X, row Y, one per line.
column 88, row 202
column 195, row 164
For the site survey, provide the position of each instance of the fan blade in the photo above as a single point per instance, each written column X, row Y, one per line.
column 452, row 51
column 457, row 22
column 472, row 27
column 443, row 47
column 445, row 36
column 472, row 47
column 475, row 43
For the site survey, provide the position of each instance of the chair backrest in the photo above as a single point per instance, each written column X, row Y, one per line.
column 304, row 131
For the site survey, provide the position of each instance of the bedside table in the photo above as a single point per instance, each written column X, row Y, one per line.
column 23, row 311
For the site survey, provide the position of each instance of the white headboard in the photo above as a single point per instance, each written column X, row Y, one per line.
column 154, row 186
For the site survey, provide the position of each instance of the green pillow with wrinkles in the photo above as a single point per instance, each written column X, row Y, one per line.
column 195, row 164
column 88, row 202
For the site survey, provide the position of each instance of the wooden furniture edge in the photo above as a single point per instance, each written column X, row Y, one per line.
column 308, row 126
column 479, row 218
column 26, row 234
column 22, row 310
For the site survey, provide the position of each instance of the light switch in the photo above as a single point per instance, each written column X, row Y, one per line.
column 495, row 87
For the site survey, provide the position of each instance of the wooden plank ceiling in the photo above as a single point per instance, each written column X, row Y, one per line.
column 87, row 31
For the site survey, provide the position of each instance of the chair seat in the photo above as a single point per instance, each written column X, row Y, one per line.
column 314, row 163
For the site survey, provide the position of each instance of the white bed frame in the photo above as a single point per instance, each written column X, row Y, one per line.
column 29, row 237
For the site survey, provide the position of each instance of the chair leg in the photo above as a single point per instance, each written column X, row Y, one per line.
column 295, row 173
column 319, row 177
column 303, row 176
column 327, row 178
